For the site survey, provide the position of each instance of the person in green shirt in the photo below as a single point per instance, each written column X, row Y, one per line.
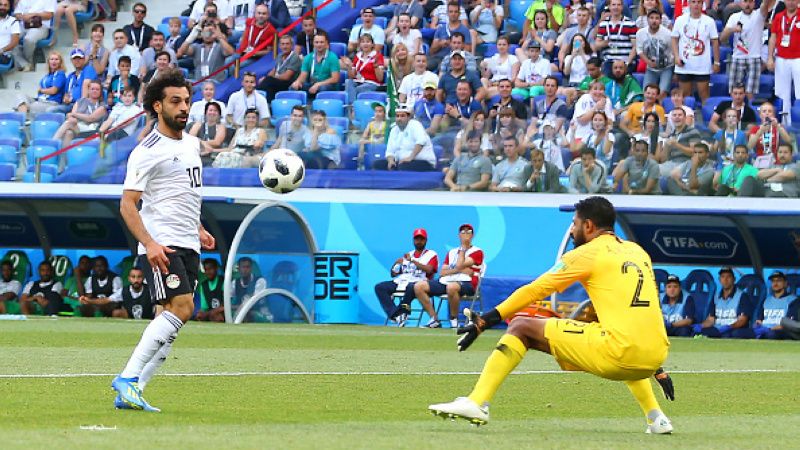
column 730, row 179
column 623, row 88
column 212, row 306
column 320, row 69
column 74, row 285
column 555, row 15
column 594, row 68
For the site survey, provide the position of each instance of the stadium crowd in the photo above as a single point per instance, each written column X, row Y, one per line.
column 561, row 97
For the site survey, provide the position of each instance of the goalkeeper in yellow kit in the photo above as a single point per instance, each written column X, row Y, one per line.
column 628, row 343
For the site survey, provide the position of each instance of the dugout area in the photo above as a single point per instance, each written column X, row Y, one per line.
column 272, row 233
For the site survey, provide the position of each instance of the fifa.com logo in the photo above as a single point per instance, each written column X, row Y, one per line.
column 689, row 242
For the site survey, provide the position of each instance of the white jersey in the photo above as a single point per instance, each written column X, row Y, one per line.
column 12, row 286
column 169, row 174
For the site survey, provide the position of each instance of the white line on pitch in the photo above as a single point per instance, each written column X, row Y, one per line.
column 340, row 373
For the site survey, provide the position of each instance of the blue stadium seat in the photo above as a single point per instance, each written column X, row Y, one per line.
column 719, row 84
column 11, row 115
column 7, row 171
column 489, row 50
column 754, row 286
column 54, row 116
column 372, row 153
column 38, row 151
column 335, row 95
column 333, row 108
column 340, row 124
column 55, row 143
column 261, row 93
column 796, row 113
column 90, row 14
column 710, row 104
column 45, row 168
column 702, row 286
column 9, row 150
column 82, row 154
column 362, row 113
column 297, row 95
column 44, row 177
column 766, row 85
column 330, row 8
column 8, row 154
column 639, row 77
column 184, row 20
column 44, row 129
column 661, row 280
column 340, row 48
column 516, row 10
column 48, row 41
column 793, row 283
column 282, row 107
column 349, row 156
column 11, row 129
column 374, row 96
column 689, row 101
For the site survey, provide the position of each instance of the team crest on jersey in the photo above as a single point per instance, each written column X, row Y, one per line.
column 173, row 281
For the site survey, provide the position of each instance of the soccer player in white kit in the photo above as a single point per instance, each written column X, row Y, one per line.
column 165, row 174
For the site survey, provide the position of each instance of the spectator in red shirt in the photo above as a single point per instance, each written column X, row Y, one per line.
column 257, row 31
column 762, row 138
column 367, row 70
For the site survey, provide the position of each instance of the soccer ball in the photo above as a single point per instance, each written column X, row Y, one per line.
column 281, row 170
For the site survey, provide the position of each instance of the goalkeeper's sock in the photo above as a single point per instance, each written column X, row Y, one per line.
column 501, row 362
column 154, row 364
column 155, row 336
column 642, row 391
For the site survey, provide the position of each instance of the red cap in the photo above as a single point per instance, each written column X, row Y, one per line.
column 421, row 232
column 466, row 226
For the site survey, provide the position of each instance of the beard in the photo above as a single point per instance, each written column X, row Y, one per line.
column 578, row 238
column 419, row 246
column 177, row 122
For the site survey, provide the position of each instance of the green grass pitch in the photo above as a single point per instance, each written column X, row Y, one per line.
column 330, row 387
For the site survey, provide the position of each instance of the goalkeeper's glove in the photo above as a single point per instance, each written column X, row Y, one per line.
column 761, row 331
column 697, row 328
column 475, row 326
column 665, row 381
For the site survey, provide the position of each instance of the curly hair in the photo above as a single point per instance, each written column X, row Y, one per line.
column 155, row 90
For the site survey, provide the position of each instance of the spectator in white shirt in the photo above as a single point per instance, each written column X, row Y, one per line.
column 34, row 17
column 9, row 287
column 9, row 32
column 197, row 112
column 121, row 47
column 244, row 99
column 409, row 147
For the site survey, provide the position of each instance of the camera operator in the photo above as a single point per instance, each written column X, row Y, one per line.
column 209, row 54
column 766, row 138
column 207, row 10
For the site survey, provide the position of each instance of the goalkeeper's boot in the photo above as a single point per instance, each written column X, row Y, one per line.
column 462, row 408
column 130, row 394
column 661, row 425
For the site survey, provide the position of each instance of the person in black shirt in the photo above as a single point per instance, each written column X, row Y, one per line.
column 135, row 300
column 138, row 32
column 99, row 287
column 738, row 103
column 44, row 292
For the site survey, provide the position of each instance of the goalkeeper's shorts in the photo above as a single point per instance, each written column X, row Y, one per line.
column 587, row 347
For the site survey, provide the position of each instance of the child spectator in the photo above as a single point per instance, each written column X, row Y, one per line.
column 121, row 112
column 119, row 83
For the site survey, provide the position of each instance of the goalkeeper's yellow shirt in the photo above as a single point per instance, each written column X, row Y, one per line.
column 618, row 276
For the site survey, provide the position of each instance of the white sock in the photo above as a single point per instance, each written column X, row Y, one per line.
column 155, row 336
column 154, row 364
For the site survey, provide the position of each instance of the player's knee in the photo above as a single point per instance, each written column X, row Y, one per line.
column 421, row 287
column 182, row 306
column 453, row 288
column 530, row 331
